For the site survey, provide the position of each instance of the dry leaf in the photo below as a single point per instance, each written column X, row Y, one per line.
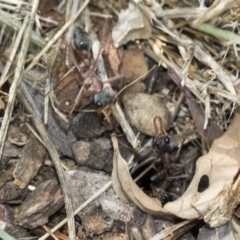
column 132, row 25
column 127, row 189
column 219, row 172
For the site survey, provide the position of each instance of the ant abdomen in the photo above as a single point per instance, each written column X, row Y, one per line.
column 81, row 40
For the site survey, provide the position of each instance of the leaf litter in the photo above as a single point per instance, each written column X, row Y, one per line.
column 196, row 44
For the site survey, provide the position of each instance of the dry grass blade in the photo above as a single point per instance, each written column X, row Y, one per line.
column 212, row 131
column 6, row 18
column 117, row 110
column 218, row 7
column 175, row 231
column 17, row 77
column 13, row 53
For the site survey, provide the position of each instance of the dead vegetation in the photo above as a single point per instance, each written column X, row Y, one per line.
column 123, row 114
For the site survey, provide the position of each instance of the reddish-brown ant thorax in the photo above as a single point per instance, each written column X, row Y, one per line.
column 81, row 40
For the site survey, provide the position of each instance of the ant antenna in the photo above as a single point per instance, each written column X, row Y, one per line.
column 136, row 80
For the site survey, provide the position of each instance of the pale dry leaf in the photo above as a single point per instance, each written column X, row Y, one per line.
column 132, row 25
column 127, row 187
column 220, row 167
column 115, row 181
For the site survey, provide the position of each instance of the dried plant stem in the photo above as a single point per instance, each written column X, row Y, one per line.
column 215, row 10
column 17, row 77
column 7, row 19
column 177, row 107
column 27, row 101
column 179, row 12
column 117, row 111
column 74, row 7
column 68, row 10
column 57, row 36
column 132, row 138
column 207, row 59
column 50, row 233
column 175, row 231
column 13, row 52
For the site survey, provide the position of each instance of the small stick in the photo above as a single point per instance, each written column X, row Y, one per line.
column 133, row 82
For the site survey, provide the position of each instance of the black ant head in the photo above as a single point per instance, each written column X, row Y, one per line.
column 81, row 40
column 162, row 143
column 104, row 97
column 164, row 198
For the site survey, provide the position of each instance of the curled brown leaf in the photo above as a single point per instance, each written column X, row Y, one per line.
column 127, row 189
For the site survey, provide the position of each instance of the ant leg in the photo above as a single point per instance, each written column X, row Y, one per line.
column 116, row 78
column 165, row 185
column 59, row 81
column 106, row 113
column 77, row 101
column 179, row 187
column 158, row 175
column 74, row 61
column 177, row 177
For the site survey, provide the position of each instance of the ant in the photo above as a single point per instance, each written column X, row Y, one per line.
column 173, row 172
column 90, row 81
column 87, row 76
